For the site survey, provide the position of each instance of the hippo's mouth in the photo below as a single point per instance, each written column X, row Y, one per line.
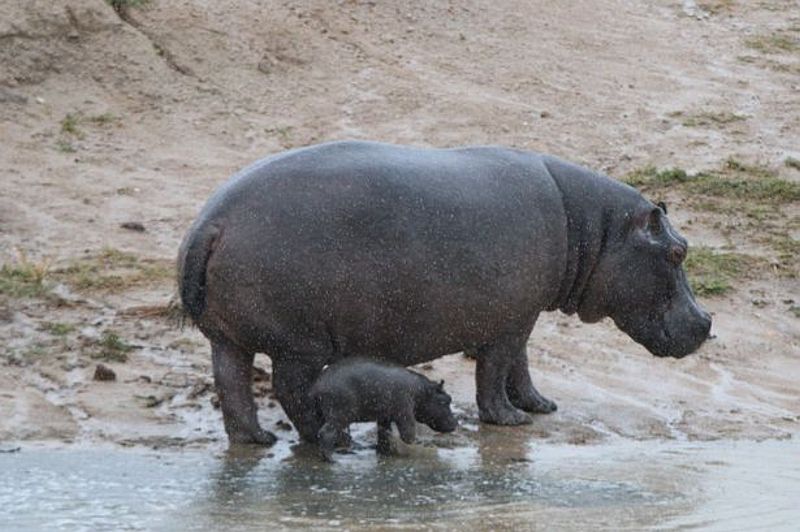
column 669, row 338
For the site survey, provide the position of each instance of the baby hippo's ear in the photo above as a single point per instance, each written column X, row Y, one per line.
column 440, row 386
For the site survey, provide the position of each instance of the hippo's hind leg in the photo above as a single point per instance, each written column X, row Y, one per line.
column 292, row 380
column 520, row 389
column 233, row 376
column 495, row 363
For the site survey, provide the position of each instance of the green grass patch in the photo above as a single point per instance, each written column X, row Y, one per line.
column 712, row 273
column 774, row 43
column 736, row 181
column 112, row 348
column 652, row 177
column 706, row 119
column 788, row 252
column 58, row 329
column 102, row 119
column 69, row 125
column 791, row 162
column 716, row 7
column 24, row 278
column 115, row 270
column 65, row 146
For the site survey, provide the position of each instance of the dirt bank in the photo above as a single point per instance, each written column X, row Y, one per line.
column 133, row 117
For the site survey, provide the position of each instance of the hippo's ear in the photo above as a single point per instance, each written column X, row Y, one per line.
column 649, row 221
column 662, row 206
column 440, row 386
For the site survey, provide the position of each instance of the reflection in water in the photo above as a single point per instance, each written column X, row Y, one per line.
column 498, row 479
column 364, row 489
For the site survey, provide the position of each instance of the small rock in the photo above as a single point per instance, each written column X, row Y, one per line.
column 133, row 226
column 427, row 367
column 151, row 401
column 283, row 425
column 214, row 401
column 104, row 373
column 544, row 114
column 271, row 404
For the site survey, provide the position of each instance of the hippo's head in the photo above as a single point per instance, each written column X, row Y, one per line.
column 433, row 408
column 639, row 281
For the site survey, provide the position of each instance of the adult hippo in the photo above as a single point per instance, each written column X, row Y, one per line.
column 408, row 254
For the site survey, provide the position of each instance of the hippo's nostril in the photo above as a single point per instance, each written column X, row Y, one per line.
column 677, row 253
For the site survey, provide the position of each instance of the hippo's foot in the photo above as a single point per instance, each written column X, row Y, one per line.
column 329, row 437
column 507, row 415
column 531, row 401
column 257, row 437
column 233, row 373
column 520, row 389
column 494, row 375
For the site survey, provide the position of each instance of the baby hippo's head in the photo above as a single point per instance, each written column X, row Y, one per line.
column 433, row 408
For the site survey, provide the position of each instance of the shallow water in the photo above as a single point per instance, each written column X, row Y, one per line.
column 500, row 482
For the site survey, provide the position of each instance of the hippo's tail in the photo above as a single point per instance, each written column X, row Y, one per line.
column 193, row 257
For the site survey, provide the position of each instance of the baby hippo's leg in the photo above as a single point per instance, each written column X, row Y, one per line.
column 329, row 436
column 384, row 437
column 407, row 426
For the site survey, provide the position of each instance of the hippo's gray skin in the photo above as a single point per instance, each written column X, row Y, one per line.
column 359, row 249
column 357, row 389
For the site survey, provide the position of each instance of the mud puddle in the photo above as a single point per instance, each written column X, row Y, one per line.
column 521, row 485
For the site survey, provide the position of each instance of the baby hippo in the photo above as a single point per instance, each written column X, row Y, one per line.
column 358, row 389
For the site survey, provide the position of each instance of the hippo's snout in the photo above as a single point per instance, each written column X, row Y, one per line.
column 447, row 424
column 684, row 336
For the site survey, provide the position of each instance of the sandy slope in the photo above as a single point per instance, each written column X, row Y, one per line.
column 190, row 91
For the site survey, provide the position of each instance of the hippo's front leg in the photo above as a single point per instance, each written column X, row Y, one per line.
column 520, row 389
column 233, row 376
column 495, row 362
column 407, row 426
column 292, row 379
